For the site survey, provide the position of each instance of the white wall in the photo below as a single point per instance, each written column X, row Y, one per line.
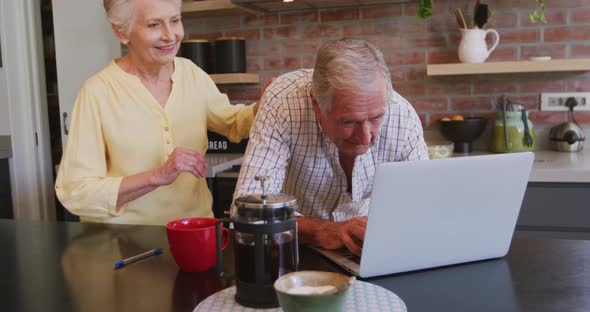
column 4, row 108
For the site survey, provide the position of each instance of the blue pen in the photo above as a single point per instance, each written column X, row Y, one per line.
column 124, row 262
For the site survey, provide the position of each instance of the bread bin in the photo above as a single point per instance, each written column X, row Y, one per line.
column 230, row 55
column 198, row 50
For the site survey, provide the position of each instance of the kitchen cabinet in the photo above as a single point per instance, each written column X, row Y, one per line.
column 238, row 7
column 223, row 192
column 508, row 67
column 223, row 187
column 556, row 207
column 5, row 191
column 213, row 7
column 274, row 5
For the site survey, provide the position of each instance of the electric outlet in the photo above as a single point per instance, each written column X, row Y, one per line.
column 556, row 101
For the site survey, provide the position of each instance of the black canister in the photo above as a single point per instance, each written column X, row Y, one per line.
column 198, row 50
column 230, row 55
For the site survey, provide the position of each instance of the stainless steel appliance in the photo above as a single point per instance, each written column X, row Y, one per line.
column 222, row 188
column 568, row 136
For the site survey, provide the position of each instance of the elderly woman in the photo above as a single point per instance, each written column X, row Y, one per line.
column 135, row 153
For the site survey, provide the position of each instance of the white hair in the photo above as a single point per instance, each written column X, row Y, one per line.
column 121, row 13
column 347, row 64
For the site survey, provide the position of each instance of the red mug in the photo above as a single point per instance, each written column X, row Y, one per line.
column 193, row 243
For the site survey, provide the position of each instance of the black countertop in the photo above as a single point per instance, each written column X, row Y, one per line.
column 48, row 266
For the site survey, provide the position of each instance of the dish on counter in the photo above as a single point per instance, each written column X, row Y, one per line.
column 439, row 150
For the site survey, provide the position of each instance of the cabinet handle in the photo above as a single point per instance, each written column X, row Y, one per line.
column 65, row 115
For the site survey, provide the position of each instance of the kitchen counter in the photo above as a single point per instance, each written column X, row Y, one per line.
column 553, row 166
column 5, row 147
column 557, row 167
column 549, row 166
column 75, row 273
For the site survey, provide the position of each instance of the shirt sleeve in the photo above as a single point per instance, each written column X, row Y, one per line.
column 82, row 184
column 415, row 147
column 268, row 150
column 232, row 121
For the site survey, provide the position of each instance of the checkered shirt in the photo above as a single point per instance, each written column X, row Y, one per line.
column 288, row 144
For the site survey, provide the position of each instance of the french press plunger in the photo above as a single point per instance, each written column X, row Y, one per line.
column 265, row 245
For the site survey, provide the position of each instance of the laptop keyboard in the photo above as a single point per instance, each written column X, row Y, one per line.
column 353, row 258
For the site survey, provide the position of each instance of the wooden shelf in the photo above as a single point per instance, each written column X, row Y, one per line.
column 508, row 67
column 235, row 78
column 213, row 8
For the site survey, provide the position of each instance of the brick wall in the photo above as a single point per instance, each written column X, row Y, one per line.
column 280, row 42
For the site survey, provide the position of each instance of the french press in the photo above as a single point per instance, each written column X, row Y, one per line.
column 265, row 245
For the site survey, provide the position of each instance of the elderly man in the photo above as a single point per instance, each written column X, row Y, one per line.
column 319, row 134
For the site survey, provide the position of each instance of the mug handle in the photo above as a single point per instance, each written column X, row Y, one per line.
column 496, row 40
column 218, row 228
column 225, row 238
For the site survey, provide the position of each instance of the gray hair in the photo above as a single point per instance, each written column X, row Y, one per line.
column 121, row 13
column 347, row 64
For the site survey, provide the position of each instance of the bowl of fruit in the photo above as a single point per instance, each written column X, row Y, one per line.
column 462, row 131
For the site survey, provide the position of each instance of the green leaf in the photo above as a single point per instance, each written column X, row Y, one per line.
column 425, row 8
column 534, row 17
column 424, row 13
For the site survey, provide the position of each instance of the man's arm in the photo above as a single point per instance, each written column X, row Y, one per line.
column 268, row 151
column 414, row 147
column 333, row 235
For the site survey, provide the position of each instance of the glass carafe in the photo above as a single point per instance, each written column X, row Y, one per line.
column 265, row 245
column 512, row 128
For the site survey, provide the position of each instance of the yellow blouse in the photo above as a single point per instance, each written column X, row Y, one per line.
column 119, row 129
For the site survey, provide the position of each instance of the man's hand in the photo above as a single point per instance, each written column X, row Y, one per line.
column 181, row 160
column 334, row 235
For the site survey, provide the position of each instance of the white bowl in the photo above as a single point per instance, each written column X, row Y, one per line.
column 438, row 150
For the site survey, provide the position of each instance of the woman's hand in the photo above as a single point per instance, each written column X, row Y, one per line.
column 181, row 160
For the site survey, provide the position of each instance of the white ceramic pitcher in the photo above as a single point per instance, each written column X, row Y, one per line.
column 473, row 47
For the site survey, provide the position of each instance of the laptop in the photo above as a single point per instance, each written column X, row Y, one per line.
column 430, row 213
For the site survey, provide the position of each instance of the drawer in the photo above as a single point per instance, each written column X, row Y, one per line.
column 556, row 205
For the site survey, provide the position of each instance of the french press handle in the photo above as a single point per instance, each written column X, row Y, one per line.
column 262, row 179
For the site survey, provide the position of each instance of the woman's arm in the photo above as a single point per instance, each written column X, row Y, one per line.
column 230, row 120
column 181, row 160
column 83, row 184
